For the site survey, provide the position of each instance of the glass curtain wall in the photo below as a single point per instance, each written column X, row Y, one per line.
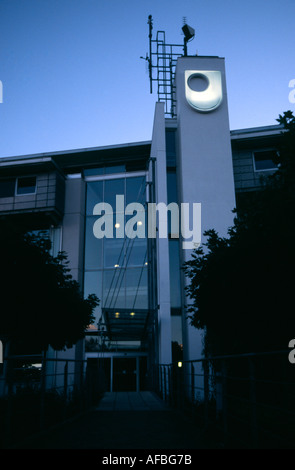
column 115, row 269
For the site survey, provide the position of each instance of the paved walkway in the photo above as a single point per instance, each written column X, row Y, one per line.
column 123, row 420
column 131, row 401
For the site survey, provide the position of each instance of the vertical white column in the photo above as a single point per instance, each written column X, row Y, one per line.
column 205, row 168
column 158, row 151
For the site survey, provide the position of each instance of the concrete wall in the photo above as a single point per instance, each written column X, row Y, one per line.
column 246, row 178
column 50, row 192
column 245, row 143
column 205, row 168
column 158, row 151
column 73, row 245
column 73, row 226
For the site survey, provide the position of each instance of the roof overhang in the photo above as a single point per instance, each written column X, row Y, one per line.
column 126, row 324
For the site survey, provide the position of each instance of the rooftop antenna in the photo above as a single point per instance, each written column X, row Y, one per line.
column 189, row 34
column 150, row 23
column 161, row 60
column 148, row 57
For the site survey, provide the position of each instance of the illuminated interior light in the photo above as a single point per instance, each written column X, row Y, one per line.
column 132, row 314
column 139, row 222
column 117, row 314
column 117, row 225
column 179, row 364
column 116, row 265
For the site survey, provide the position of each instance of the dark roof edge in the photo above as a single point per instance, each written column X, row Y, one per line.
column 252, row 130
column 47, row 155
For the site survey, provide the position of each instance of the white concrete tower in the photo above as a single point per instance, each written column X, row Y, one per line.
column 205, row 171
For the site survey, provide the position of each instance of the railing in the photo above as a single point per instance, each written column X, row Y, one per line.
column 244, row 400
column 36, row 397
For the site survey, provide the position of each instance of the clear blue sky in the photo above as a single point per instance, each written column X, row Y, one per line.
column 73, row 78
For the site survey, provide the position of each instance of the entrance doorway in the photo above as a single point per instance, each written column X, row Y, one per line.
column 129, row 374
column 124, row 374
column 119, row 374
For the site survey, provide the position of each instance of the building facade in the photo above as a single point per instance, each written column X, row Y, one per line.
column 106, row 207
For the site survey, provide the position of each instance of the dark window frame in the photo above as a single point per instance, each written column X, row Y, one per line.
column 29, row 192
column 265, row 151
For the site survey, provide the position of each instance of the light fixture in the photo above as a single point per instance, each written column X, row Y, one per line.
column 146, row 263
column 179, row 364
column 189, row 33
column 139, row 222
column 132, row 314
column 117, row 314
column 117, row 225
column 116, row 266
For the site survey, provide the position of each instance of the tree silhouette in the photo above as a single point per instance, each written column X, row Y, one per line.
column 41, row 304
column 241, row 287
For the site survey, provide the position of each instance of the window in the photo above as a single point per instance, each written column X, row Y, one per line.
column 113, row 188
column 26, row 185
column 108, row 170
column 93, row 247
column 113, row 252
column 172, row 195
column 114, row 290
column 94, row 195
column 135, row 190
column 170, row 147
column 136, row 288
column 93, row 171
column 93, row 284
column 172, row 186
column 264, row 160
column 114, row 169
column 116, row 269
column 136, row 252
column 175, row 282
column 7, row 187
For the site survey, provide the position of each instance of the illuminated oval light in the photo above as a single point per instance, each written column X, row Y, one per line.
column 208, row 99
column 116, row 266
column 117, row 225
column 139, row 222
column 132, row 314
column 179, row 364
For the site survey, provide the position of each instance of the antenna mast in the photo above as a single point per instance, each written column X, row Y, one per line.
column 162, row 58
